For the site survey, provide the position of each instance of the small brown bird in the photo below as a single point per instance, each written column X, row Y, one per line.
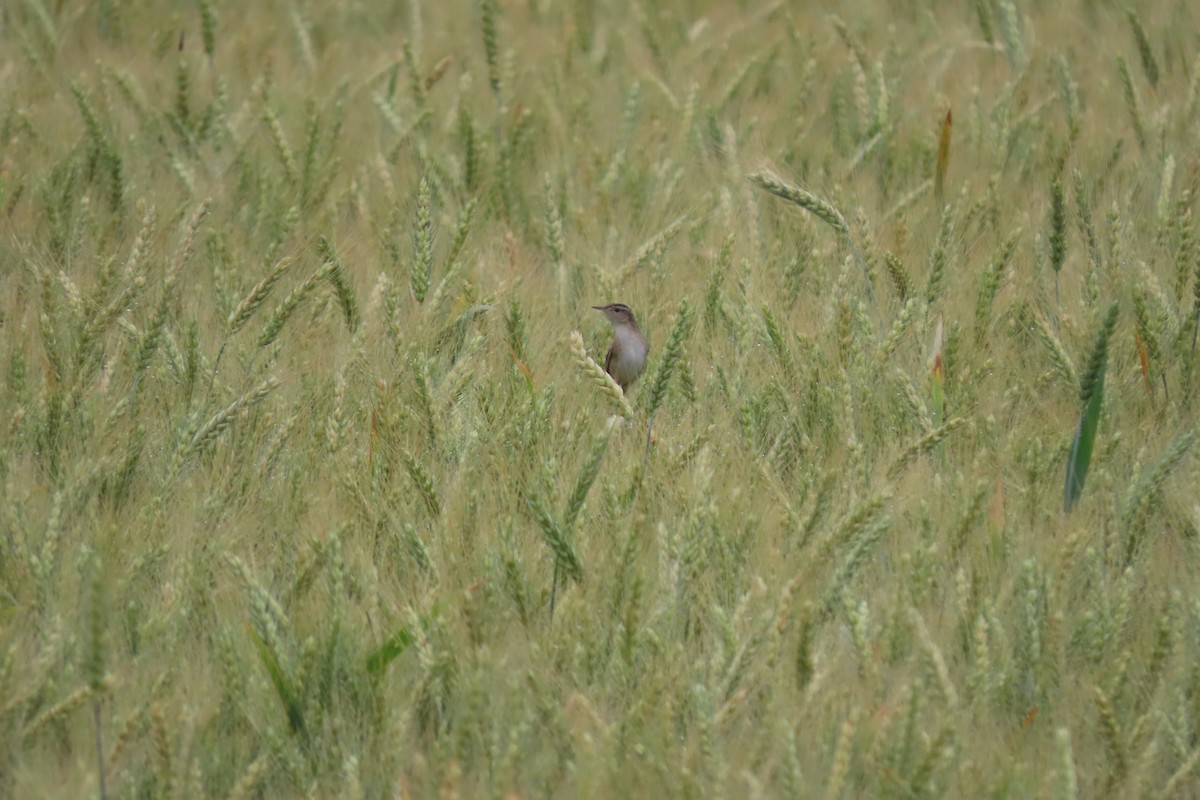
column 627, row 356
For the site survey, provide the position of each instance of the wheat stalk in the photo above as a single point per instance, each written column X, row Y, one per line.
column 598, row 376
column 822, row 209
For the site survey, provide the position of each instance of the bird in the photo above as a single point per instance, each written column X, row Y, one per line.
column 627, row 356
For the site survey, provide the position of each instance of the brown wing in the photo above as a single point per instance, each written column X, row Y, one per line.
column 608, row 360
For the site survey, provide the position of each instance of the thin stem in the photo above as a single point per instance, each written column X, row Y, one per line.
column 212, row 379
column 554, row 587
column 646, row 454
column 99, row 748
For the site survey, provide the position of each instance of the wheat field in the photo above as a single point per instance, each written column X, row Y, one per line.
column 311, row 485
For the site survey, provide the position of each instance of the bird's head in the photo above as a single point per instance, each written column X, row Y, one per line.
column 617, row 313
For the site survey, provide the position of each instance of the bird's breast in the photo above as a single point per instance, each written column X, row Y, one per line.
column 632, row 343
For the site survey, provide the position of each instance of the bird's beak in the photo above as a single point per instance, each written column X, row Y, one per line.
column 598, row 308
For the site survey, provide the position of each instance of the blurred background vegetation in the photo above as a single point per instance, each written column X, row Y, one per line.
column 306, row 489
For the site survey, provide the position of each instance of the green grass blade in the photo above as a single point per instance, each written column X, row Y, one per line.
column 1091, row 394
column 282, row 683
column 396, row 644
column 1083, row 444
